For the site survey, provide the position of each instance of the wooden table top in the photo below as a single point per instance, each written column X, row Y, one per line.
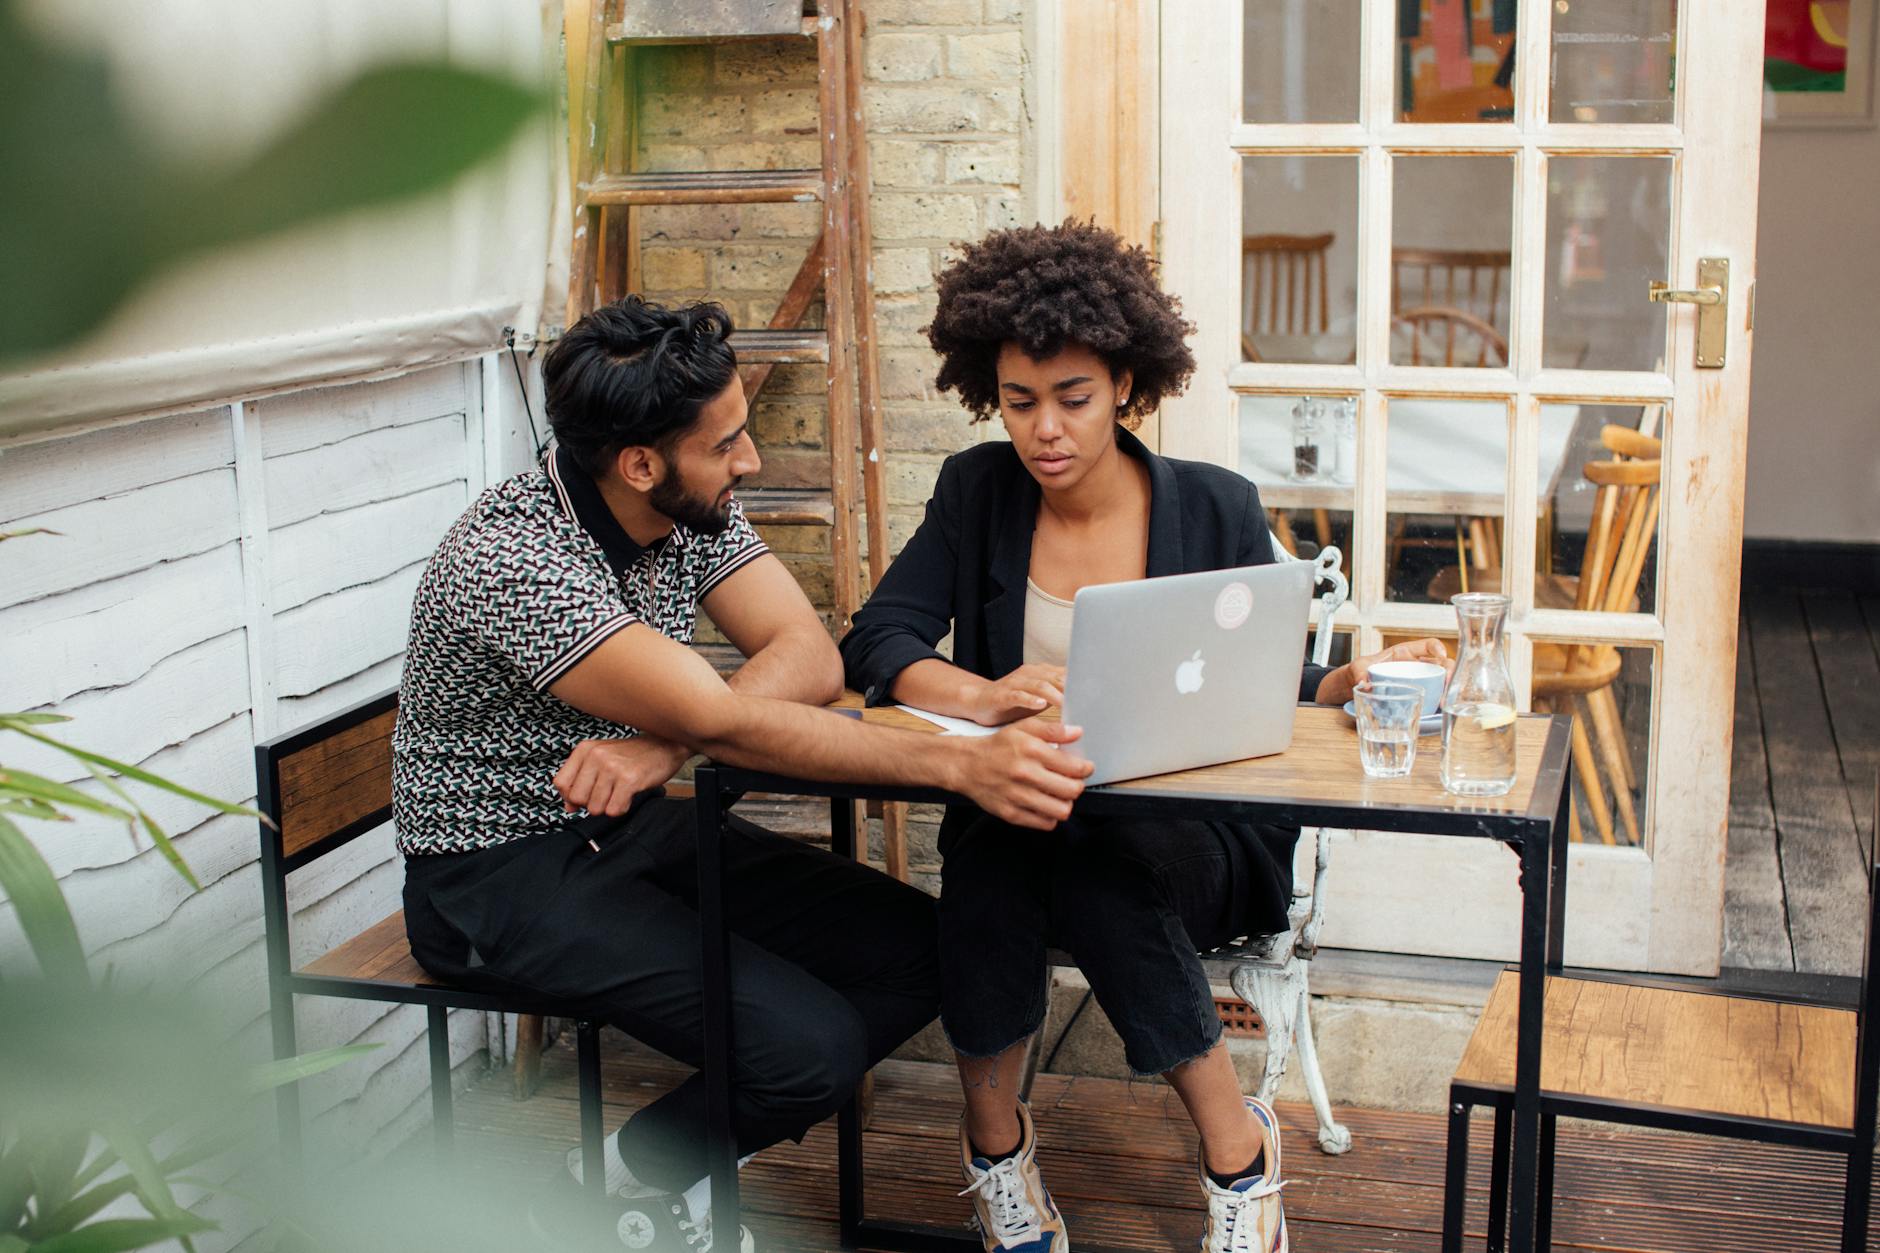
column 1321, row 768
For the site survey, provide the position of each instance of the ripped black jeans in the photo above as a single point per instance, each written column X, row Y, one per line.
column 1132, row 899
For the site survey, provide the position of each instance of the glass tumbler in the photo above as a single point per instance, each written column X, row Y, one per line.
column 1387, row 728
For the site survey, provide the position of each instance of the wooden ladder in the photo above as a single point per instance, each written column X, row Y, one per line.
column 603, row 36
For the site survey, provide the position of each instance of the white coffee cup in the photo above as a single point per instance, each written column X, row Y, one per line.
column 1426, row 676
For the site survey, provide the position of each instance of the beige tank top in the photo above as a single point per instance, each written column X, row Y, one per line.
column 1047, row 627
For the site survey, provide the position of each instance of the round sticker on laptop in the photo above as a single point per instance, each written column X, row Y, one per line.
column 1233, row 605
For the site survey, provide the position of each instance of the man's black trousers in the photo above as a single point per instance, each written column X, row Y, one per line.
column 833, row 964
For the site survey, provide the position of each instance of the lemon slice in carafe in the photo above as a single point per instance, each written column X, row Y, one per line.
column 1488, row 717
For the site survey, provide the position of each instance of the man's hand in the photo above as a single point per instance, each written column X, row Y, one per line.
column 1020, row 694
column 603, row 776
column 1336, row 687
column 1022, row 777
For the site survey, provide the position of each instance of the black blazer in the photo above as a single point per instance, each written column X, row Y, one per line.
column 964, row 570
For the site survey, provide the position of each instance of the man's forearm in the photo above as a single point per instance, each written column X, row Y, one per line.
column 797, row 666
column 782, row 737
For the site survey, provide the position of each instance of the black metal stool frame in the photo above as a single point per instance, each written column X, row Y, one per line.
column 1855, row 1143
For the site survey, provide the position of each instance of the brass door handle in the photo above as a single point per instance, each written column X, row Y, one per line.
column 1661, row 294
column 1712, row 298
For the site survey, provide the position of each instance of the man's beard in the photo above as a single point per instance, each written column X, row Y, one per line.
column 699, row 514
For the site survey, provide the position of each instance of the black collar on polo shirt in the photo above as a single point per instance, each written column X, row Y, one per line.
column 581, row 500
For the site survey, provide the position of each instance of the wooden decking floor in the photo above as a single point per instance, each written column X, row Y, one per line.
column 1807, row 744
column 1120, row 1161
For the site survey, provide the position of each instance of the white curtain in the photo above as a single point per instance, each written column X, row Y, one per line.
column 374, row 293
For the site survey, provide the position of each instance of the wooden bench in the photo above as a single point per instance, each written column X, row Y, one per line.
column 322, row 787
column 1626, row 1050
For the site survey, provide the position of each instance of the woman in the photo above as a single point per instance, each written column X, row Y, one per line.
column 1064, row 333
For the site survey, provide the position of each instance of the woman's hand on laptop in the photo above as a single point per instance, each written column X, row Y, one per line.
column 1336, row 687
column 1022, row 777
column 1027, row 690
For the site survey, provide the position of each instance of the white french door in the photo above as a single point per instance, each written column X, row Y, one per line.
column 1417, row 237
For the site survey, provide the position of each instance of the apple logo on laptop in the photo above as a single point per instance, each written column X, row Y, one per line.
column 1188, row 674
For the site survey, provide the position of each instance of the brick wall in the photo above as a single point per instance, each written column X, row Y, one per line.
column 942, row 102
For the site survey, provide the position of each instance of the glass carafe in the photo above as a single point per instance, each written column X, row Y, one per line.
column 1478, row 705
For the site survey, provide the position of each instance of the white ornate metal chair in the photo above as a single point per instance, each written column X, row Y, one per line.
column 1269, row 972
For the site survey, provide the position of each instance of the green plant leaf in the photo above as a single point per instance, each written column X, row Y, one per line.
column 33, row 719
column 40, row 907
column 16, row 1185
column 120, row 1235
column 158, row 836
column 200, row 1149
column 55, row 1155
column 25, row 531
column 90, row 209
column 271, row 1075
column 152, row 1188
column 21, row 785
column 395, row 131
column 27, row 807
column 144, row 776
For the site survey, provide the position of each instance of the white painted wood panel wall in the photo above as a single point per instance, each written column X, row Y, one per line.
column 220, row 577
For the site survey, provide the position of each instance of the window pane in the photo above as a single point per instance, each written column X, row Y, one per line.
column 1299, row 258
column 1452, row 221
column 1300, row 61
column 1445, row 493
column 1608, row 237
column 1614, row 60
column 1608, row 689
column 1600, row 502
column 1455, row 60
column 1301, row 452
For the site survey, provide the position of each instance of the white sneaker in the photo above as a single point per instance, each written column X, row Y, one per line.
column 652, row 1220
column 1248, row 1217
column 1011, row 1206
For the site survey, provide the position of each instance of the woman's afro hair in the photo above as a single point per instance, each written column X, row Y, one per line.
column 1044, row 287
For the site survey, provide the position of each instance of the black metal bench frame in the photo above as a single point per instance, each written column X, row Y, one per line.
column 285, row 982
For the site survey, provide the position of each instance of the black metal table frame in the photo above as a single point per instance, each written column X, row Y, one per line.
column 1537, row 836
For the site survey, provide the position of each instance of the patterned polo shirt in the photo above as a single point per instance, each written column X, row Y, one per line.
column 528, row 582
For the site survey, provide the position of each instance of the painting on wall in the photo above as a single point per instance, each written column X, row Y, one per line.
column 1455, row 60
column 1818, row 63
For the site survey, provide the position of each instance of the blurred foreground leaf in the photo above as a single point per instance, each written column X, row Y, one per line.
column 89, row 210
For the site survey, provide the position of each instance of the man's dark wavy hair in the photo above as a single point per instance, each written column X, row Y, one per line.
column 1043, row 287
column 635, row 373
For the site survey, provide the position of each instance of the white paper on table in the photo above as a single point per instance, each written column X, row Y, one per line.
column 952, row 726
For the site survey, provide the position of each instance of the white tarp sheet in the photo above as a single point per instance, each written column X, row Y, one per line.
column 378, row 292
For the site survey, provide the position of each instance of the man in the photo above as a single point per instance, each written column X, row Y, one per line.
column 549, row 692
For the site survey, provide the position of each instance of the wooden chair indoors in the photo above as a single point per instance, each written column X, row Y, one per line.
column 1578, row 678
column 1282, row 280
column 1679, row 1059
column 1445, row 335
column 1472, row 280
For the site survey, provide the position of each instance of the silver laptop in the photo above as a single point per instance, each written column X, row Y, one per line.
column 1189, row 670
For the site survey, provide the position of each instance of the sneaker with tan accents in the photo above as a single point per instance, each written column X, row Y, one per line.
column 1011, row 1207
column 1248, row 1216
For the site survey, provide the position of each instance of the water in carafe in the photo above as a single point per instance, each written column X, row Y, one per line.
column 1478, row 705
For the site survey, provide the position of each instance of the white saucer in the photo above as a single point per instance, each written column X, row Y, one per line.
column 1428, row 724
